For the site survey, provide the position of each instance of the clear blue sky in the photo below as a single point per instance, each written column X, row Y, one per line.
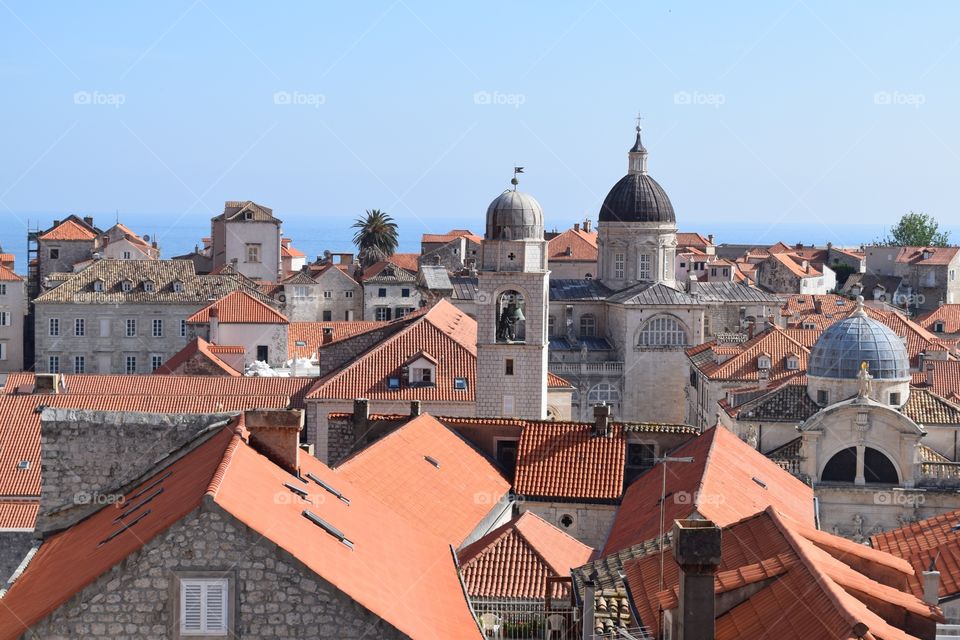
column 798, row 111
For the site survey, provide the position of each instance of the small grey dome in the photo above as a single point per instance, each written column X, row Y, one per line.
column 637, row 198
column 514, row 215
column 841, row 349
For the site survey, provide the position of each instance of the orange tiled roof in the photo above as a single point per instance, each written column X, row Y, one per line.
column 515, row 560
column 574, row 245
column 937, row 255
column 7, row 275
column 835, row 596
column 774, row 342
column 227, row 471
column 721, row 484
column 948, row 314
column 919, row 339
column 919, row 542
column 448, row 333
column 312, row 333
column 69, row 230
column 18, row 514
column 689, row 239
column 288, row 251
column 946, row 377
column 198, row 346
column 556, row 382
column 462, row 489
column 792, row 261
column 565, row 460
column 239, row 307
column 453, row 234
column 408, row 261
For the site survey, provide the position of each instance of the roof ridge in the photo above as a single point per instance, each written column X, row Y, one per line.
column 216, row 481
column 541, row 522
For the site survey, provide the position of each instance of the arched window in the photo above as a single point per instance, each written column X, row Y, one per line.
column 663, row 331
column 877, row 468
column 603, row 392
column 842, row 467
column 588, row 325
column 511, row 319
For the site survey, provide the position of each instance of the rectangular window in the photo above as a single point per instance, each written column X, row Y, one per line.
column 382, row 313
column 382, row 292
column 348, row 294
column 131, row 365
column 328, row 294
column 895, row 399
column 3, row 288
column 404, row 293
column 204, row 606
column 155, row 362
column 158, row 327
column 460, row 384
column 104, row 327
column 508, row 367
column 618, row 265
column 54, row 254
column 126, row 255
column 4, row 318
column 79, row 364
column 640, row 458
column 507, row 455
column 327, row 315
column 54, row 326
column 253, row 252
column 131, row 327
column 263, row 353
column 53, row 364
column 3, row 350
column 79, row 327
column 183, row 328
column 508, row 406
column 823, row 398
column 643, row 272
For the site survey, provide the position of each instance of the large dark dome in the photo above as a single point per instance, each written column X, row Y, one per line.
column 637, row 198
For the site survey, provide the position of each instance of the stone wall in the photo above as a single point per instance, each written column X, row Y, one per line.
column 335, row 356
column 14, row 302
column 14, row 546
column 274, row 595
column 588, row 523
column 88, row 456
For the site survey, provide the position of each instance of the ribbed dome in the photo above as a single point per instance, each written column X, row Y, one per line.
column 514, row 215
column 637, row 198
column 841, row 349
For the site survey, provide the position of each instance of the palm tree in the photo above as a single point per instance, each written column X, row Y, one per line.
column 376, row 237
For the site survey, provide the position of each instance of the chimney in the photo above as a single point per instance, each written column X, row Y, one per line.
column 586, row 224
column 327, row 335
column 931, row 585
column 589, row 606
column 88, row 220
column 214, row 334
column 576, row 226
column 415, row 408
column 47, row 383
column 601, row 420
column 928, row 368
column 710, row 238
column 276, row 434
column 694, row 284
column 696, row 549
column 361, row 418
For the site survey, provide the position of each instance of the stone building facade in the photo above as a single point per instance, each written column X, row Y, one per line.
column 247, row 237
column 13, row 317
column 389, row 291
column 328, row 294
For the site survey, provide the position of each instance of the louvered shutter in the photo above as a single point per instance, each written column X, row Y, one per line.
column 191, row 606
column 215, row 606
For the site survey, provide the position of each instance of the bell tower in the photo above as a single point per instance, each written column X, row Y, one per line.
column 512, row 309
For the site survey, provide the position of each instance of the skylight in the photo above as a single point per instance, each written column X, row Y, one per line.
column 123, row 528
column 432, row 461
column 326, row 526
column 329, row 488
column 297, row 490
column 460, row 384
column 759, row 482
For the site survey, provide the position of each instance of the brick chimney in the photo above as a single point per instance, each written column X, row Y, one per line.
column 601, row 420
column 48, row 383
column 276, row 434
column 696, row 548
column 576, row 226
column 214, row 334
column 327, row 337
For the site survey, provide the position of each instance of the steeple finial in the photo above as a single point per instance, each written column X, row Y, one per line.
column 514, row 181
column 859, row 310
column 638, row 153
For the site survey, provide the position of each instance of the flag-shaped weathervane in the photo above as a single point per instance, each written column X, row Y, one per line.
column 514, row 181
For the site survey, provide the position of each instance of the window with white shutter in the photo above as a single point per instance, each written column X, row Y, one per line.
column 204, row 604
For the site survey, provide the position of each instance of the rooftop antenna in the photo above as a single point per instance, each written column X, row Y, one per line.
column 514, row 181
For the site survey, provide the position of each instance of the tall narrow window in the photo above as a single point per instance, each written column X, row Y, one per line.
column 157, row 327
column 643, row 271
column 4, row 318
column 3, row 288
column 619, row 260
column 79, row 327
column 131, row 365
column 183, row 328
column 53, row 364
column 79, row 364
column 131, row 327
column 588, row 325
column 204, row 606
column 253, row 252
column 508, row 367
column 54, row 326
column 155, row 362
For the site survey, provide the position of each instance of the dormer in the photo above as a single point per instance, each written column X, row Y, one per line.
column 809, row 325
column 939, row 326
column 177, row 286
column 422, row 369
column 126, row 285
column 763, row 362
column 793, row 362
column 98, row 285
column 149, row 286
column 927, row 254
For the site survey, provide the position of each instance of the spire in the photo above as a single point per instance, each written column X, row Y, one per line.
column 515, row 181
column 638, row 154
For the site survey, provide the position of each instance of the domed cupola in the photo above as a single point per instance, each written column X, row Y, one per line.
column 514, row 215
column 850, row 345
column 637, row 197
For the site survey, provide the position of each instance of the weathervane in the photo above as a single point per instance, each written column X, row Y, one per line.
column 639, row 118
column 514, row 181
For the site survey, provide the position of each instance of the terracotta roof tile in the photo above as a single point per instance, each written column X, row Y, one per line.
column 926, row 407
column 945, row 374
column 947, row 314
column 934, row 255
column 288, row 251
column 376, row 572
column 18, row 514
column 744, row 365
column 7, row 275
column 312, row 334
column 69, row 230
column 514, row 560
column 239, row 307
column 448, row 500
column 445, row 331
column 919, row 542
column 556, row 382
column 573, row 245
column 199, row 346
column 443, row 238
column 693, row 240
column 727, row 481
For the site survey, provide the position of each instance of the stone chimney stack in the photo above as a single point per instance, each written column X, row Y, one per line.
column 88, row 220
column 931, row 587
column 576, row 226
column 361, row 418
column 586, row 224
column 696, row 549
column 214, row 326
column 928, row 368
column 601, row 420
column 276, row 434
